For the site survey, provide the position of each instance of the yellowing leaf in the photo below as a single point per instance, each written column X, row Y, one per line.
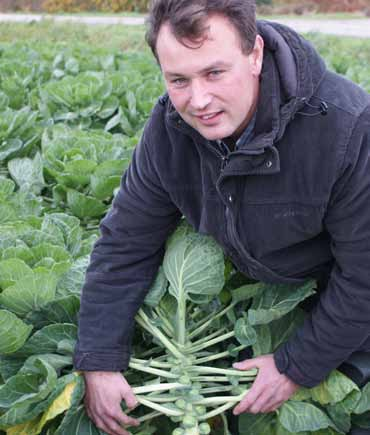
column 35, row 426
column 28, row 428
column 60, row 404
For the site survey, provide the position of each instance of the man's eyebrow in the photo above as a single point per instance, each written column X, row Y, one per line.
column 211, row 67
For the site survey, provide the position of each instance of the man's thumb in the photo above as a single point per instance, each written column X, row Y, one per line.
column 247, row 364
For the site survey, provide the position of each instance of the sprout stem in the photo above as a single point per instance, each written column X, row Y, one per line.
column 153, row 371
column 149, row 416
column 205, row 325
column 217, row 411
column 217, row 355
column 219, row 379
column 157, row 387
column 212, row 342
column 209, row 337
column 143, row 320
column 151, row 363
column 220, row 400
column 227, row 372
column 162, row 409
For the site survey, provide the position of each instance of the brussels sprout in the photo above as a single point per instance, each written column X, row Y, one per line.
column 204, row 429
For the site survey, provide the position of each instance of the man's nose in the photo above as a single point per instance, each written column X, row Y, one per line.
column 200, row 96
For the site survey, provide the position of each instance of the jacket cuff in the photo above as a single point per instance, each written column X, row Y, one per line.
column 286, row 365
column 99, row 361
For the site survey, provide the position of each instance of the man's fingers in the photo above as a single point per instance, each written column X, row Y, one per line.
column 110, row 427
column 247, row 364
column 124, row 419
column 247, row 401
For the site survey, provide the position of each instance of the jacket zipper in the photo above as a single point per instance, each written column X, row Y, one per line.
column 223, row 153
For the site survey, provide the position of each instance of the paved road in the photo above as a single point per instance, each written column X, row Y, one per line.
column 354, row 27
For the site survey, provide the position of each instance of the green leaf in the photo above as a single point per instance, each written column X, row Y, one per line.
column 30, row 292
column 276, row 301
column 248, row 291
column 28, row 386
column 48, row 339
column 157, row 290
column 108, row 108
column 193, row 264
column 21, row 252
column 301, row 416
column 6, row 187
column 341, row 418
column 47, row 250
column 28, row 173
column 282, row 329
column 263, row 345
column 60, row 310
column 364, row 402
column 84, row 206
column 68, row 228
column 26, row 412
column 13, row 270
column 333, row 389
column 73, row 280
column 7, row 213
column 13, row 332
column 244, row 332
column 102, row 188
column 253, row 424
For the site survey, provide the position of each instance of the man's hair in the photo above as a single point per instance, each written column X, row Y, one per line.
column 187, row 20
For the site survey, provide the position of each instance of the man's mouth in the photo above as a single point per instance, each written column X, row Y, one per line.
column 208, row 116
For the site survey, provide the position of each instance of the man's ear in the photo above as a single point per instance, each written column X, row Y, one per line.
column 256, row 56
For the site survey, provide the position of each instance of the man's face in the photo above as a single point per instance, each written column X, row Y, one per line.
column 214, row 87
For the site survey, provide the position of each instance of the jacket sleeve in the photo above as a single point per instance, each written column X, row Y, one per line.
column 123, row 265
column 340, row 323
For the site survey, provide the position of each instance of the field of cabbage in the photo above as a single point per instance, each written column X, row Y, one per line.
column 70, row 115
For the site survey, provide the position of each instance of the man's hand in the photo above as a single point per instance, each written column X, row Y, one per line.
column 104, row 393
column 270, row 388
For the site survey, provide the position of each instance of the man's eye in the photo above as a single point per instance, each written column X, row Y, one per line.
column 215, row 73
column 179, row 82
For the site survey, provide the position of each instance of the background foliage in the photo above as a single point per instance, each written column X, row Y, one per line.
column 277, row 6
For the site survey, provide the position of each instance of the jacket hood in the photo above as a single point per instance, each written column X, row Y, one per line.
column 292, row 71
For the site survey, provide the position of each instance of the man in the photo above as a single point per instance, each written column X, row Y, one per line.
column 258, row 145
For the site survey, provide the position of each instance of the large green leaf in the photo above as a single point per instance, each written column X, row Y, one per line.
column 364, row 403
column 276, row 301
column 261, row 424
column 72, row 281
column 84, row 206
column 60, row 310
column 6, row 187
column 333, row 389
column 102, row 188
column 13, row 332
column 12, row 270
column 30, row 292
column 28, row 173
column 28, row 411
column 67, row 226
column 28, row 386
column 244, row 332
column 193, row 264
column 301, row 416
column 157, row 290
column 47, row 250
column 248, row 291
column 48, row 339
